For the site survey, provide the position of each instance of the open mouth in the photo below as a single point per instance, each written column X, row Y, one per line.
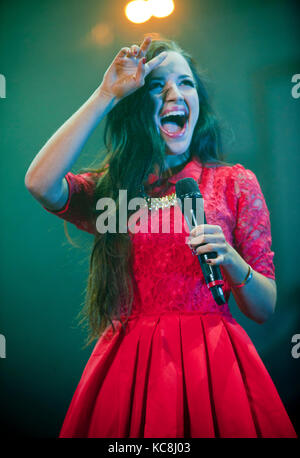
column 174, row 124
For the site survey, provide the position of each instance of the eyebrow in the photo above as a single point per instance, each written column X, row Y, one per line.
column 162, row 77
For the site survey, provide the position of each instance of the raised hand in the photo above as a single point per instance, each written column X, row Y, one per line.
column 128, row 70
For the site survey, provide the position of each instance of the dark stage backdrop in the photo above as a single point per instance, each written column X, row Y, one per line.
column 53, row 55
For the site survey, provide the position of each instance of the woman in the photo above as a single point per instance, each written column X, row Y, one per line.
column 169, row 361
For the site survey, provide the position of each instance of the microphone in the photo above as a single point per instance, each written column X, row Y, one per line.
column 190, row 197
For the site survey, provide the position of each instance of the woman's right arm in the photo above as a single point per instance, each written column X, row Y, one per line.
column 45, row 178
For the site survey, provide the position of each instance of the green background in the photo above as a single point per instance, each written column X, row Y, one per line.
column 250, row 51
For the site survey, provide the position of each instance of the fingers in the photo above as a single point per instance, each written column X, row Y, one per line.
column 211, row 243
column 145, row 68
column 218, row 260
column 140, row 73
column 155, row 62
column 210, row 248
column 206, row 238
column 137, row 52
column 208, row 228
column 213, row 254
column 206, row 233
column 133, row 51
column 145, row 45
column 140, row 51
column 123, row 52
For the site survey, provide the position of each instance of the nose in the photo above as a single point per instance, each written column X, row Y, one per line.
column 172, row 93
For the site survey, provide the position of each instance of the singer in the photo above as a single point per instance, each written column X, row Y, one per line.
column 168, row 361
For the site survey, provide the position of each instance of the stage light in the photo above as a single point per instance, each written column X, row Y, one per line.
column 138, row 11
column 161, row 8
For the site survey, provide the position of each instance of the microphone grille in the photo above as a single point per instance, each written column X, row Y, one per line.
column 187, row 187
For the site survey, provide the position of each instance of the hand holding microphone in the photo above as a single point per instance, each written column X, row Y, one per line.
column 210, row 247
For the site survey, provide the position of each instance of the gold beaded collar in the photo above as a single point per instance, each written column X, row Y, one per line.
column 154, row 203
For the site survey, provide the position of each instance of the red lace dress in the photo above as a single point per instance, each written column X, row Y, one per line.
column 183, row 367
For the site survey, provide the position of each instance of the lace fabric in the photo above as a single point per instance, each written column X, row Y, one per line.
column 167, row 276
column 183, row 367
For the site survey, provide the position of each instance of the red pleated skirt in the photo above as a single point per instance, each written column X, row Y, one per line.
column 176, row 375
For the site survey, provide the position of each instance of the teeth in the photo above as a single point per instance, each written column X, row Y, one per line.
column 174, row 113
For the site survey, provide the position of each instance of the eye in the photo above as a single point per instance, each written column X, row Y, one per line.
column 189, row 82
column 154, row 85
column 158, row 84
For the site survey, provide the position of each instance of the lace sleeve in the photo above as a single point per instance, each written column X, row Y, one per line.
column 78, row 208
column 252, row 233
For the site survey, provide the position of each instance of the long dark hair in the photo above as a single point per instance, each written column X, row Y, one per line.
column 134, row 149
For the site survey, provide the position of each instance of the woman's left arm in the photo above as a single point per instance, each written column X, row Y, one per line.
column 257, row 298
